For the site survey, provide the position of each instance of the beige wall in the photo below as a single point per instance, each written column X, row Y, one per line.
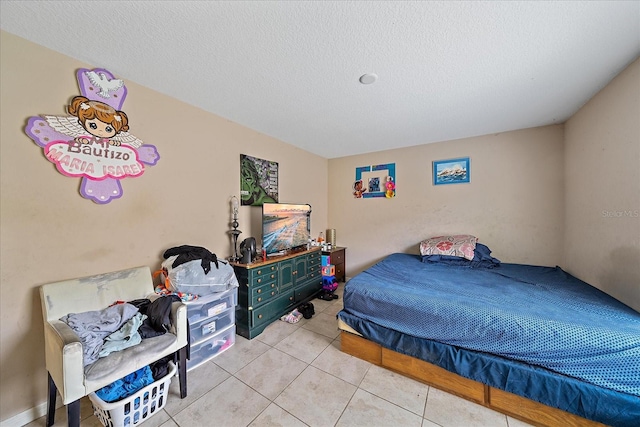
column 49, row 232
column 514, row 202
column 602, row 181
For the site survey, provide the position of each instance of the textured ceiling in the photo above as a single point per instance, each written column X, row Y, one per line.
column 290, row 69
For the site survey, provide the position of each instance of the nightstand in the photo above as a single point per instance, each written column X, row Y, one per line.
column 339, row 259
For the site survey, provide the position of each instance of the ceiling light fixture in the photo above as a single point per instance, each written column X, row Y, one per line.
column 367, row 79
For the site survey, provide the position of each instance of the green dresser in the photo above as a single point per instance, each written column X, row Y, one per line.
column 270, row 289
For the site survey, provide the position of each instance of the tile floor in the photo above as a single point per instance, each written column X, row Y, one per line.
column 295, row 375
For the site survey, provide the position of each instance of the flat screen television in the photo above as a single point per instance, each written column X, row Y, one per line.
column 285, row 227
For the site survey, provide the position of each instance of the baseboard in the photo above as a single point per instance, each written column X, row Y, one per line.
column 26, row 417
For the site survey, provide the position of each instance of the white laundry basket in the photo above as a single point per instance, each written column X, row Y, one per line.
column 138, row 407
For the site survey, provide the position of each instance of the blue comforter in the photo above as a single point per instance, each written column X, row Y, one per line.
column 539, row 315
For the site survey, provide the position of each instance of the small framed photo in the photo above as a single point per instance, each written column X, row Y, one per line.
column 452, row 171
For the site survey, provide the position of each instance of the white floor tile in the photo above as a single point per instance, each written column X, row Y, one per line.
column 316, row 398
column 271, row 373
column 200, row 381
column 404, row 392
column 367, row 410
column 448, row 410
column 277, row 331
column 230, row 404
column 341, row 365
column 275, row 416
column 242, row 353
column 323, row 324
column 304, row 345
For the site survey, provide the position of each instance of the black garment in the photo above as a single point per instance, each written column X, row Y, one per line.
column 142, row 304
column 188, row 253
column 158, row 313
column 160, row 368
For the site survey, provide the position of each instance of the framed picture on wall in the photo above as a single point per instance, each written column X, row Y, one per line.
column 258, row 181
column 452, row 171
column 371, row 181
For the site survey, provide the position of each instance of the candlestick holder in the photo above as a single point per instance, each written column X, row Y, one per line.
column 234, row 223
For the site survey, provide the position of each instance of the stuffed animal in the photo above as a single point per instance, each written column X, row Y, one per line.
column 391, row 188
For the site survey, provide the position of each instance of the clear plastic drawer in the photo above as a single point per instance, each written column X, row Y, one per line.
column 211, row 305
column 210, row 325
column 211, row 347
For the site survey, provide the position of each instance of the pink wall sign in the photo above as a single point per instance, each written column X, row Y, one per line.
column 93, row 142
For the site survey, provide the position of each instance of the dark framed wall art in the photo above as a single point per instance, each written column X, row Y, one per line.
column 258, row 181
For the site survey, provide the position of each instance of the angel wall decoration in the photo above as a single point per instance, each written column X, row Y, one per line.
column 93, row 142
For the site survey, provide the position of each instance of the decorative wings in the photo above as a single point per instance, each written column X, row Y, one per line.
column 69, row 125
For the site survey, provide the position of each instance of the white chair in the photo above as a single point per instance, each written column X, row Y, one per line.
column 63, row 348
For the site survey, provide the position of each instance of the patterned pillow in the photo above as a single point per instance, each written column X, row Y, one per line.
column 482, row 259
column 461, row 245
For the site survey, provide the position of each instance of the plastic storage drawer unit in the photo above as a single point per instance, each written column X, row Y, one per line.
column 211, row 346
column 211, row 305
column 207, row 326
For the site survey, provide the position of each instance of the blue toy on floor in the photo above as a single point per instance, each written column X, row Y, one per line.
column 329, row 285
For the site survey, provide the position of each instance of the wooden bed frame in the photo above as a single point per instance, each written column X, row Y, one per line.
column 507, row 403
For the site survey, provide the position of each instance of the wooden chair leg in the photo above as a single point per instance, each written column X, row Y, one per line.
column 182, row 371
column 51, row 403
column 73, row 414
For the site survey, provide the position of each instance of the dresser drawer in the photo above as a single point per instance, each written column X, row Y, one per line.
column 306, row 290
column 275, row 308
column 261, row 275
column 314, row 258
column 264, row 293
column 337, row 257
column 313, row 269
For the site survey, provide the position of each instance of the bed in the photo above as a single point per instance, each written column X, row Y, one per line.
column 533, row 342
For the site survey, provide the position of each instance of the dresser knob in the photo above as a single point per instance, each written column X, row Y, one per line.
column 259, row 280
column 259, row 316
column 259, row 291
column 273, row 293
column 260, row 299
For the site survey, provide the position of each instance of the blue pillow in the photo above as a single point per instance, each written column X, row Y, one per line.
column 483, row 253
column 481, row 259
